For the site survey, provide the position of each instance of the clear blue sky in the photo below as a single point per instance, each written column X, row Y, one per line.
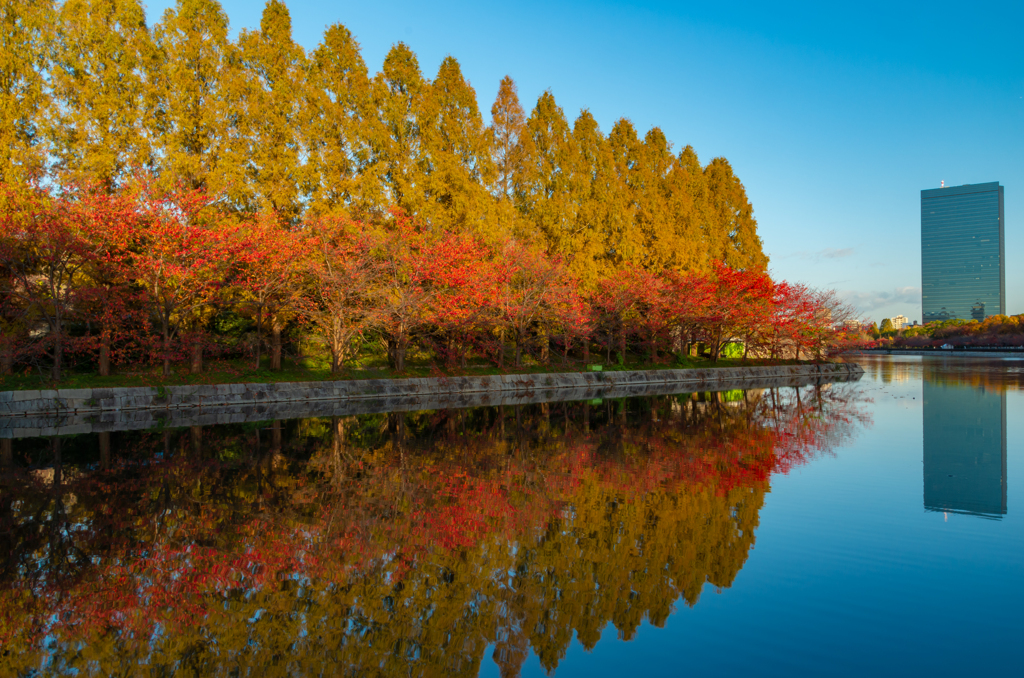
column 834, row 115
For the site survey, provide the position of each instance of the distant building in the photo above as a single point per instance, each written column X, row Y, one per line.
column 962, row 252
column 899, row 322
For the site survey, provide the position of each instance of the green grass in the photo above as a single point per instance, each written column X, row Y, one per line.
column 233, row 372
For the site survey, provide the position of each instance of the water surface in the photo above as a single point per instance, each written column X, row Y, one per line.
column 830, row 529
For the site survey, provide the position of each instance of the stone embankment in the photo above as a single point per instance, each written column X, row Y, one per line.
column 76, row 411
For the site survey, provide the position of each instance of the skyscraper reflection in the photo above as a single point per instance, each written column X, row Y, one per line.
column 964, row 449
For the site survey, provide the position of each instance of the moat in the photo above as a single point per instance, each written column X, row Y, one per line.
column 845, row 528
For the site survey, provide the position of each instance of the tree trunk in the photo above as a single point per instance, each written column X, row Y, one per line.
column 197, row 441
column 545, row 346
column 167, row 346
column 6, row 452
column 586, row 350
column 58, row 356
column 7, row 358
column 259, row 338
column 335, row 345
column 275, row 346
column 104, row 437
column 104, row 352
column 399, row 355
column 196, row 364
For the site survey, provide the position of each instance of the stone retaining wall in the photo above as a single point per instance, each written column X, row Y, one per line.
column 86, row 400
column 74, row 411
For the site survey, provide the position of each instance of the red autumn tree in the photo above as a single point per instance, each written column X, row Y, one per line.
column 341, row 270
column 47, row 246
column 182, row 251
column 464, row 283
column 613, row 305
column 269, row 280
column 536, row 291
column 399, row 294
column 730, row 300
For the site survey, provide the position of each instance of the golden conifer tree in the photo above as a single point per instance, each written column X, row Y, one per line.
column 26, row 34
column 654, row 223
column 599, row 199
column 194, row 88
column 546, row 200
column 736, row 242
column 340, row 130
column 511, row 153
column 272, row 107
column 103, row 85
column 511, row 149
column 457, row 147
column 687, row 205
column 625, row 149
column 401, row 97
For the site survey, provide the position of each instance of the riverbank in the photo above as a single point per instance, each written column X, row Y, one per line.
column 240, row 372
column 110, row 401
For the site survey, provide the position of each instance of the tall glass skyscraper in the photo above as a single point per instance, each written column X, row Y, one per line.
column 962, row 254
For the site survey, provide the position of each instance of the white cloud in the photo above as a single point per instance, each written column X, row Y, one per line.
column 866, row 302
column 819, row 255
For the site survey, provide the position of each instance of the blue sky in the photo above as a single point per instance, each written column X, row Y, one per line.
column 834, row 115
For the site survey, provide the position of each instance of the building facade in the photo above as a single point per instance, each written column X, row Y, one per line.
column 962, row 252
column 899, row 322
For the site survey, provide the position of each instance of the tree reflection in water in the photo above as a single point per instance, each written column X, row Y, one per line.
column 400, row 544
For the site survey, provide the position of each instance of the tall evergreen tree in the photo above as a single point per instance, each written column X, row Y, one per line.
column 600, row 202
column 274, row 71
column 341, row 130
column 511, row 148
column 511, row 154
column 661, row 240
column 103, row 85
column 625, row 149
column 737, row 243
column 400, row 96
column 688, row 205
column 456, row 144
column 194, row 89
column 547, row 200
column 26, row 34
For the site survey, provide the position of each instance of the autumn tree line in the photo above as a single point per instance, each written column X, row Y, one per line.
column 1005, row 331
column 167, row 189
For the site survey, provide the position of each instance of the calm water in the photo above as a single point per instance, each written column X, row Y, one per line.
column 874, row 527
